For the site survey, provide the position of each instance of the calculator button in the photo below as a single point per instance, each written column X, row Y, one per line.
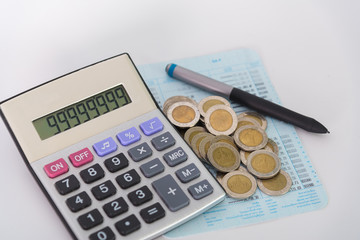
column 163, row 141
column 175, row 157
column 128, row 225
column 140, row 152
column 116, row 163
column 151, row 126
column 56, row 168
column 171, row 193
column 152, row 213
column 78, row 202
column 81, row 157
column 201, row 189
column 128, row 179
column 140, row 196
column 104, row 190
column 103, row 234
column 116, row 207
column 152, row 168
column 90, row 219
column 129, row 136
column 188, row 173
column 67, row 185
column 92, row 173
column 105, row 147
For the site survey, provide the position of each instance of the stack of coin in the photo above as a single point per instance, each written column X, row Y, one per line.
column 236, row 146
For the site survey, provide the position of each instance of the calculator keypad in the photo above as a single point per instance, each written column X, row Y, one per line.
column 132, row 180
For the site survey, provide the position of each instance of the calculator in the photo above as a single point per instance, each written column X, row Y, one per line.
column 108, row 160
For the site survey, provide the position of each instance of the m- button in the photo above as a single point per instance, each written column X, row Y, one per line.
column 81, row 157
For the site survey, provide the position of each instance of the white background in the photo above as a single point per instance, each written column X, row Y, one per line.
column 310, row 50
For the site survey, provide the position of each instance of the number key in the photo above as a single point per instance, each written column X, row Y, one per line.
column 78, row 202
column 90, row 219
column 140, row 196
column 104, row 190
column 116, row 163
column 103, row 234
column 67, row 185
column 116, row 207
column 128, row 179
column 92, row 173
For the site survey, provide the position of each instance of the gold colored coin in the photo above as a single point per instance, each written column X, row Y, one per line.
column 210, row 101
column 220, row 120
column 250, row 138
column 272, row 146
column 244, row 156
column 225, row 139
column 183, row 114
column 243, row 121
column 239, row 184
column 191, row 132
column 256, row 116
column 263, row 164
column 204, row 147
column 223, row 157
column 171, row 100
column 277, row 185
column 195, row 142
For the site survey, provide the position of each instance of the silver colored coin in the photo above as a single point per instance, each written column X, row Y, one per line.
column 171, row 100
column 263, row 164
column 243, row 156
column 210, row 101
column 272, row 146
column 204, row 147
column 257, row 116
column 183, row 114
column 224, row 157
column 195, row 142
column 191, row 132
column 276, row 186
column 250, row 138
column 239, row 184
column 220, row 120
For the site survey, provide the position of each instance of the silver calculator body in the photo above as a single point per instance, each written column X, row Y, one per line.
column 105, row 156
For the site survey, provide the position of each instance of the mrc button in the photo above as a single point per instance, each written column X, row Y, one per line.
column 175, row 157
column 81, row 157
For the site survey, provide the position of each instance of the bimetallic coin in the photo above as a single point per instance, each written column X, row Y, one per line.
column 263, row 164
column 254, row 115
column 243, row 121
column 195, row 142
column 244, row 156
column 191, row 132
column 204, row 147
column 239, row 184
column 220, row 120
column 210, row 101
column 277, row 185
column 171, row 100
column 224, row 157
column 183, row 114
column 272, row 146
column 250, row 138
column 225, row 139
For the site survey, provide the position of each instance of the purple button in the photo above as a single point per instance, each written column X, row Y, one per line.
column 151, row 126
column 105, row 147
column 129, row 136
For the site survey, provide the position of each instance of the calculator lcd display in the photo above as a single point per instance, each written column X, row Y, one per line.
column 81, row 112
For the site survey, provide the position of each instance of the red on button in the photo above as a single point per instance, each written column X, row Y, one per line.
column 56, row 168
column 81, row 157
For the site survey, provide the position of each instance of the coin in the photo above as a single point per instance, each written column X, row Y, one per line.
column 210, row 101
column 171, row 100
column 195, row 142
column 277, row 185
column 250, row 138
column 272, row 146
column 225, row 139
column 263, row 164
column 183, row 114
column 223, row 157
column 204, row 147
column 191, row 132
column 242, row 121
column 244, row 156
column 239, row 184
column 258, row 117
column 220, row 120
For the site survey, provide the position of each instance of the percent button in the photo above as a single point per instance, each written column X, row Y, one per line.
column 128, row 136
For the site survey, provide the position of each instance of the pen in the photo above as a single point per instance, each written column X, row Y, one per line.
column 237, row 95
